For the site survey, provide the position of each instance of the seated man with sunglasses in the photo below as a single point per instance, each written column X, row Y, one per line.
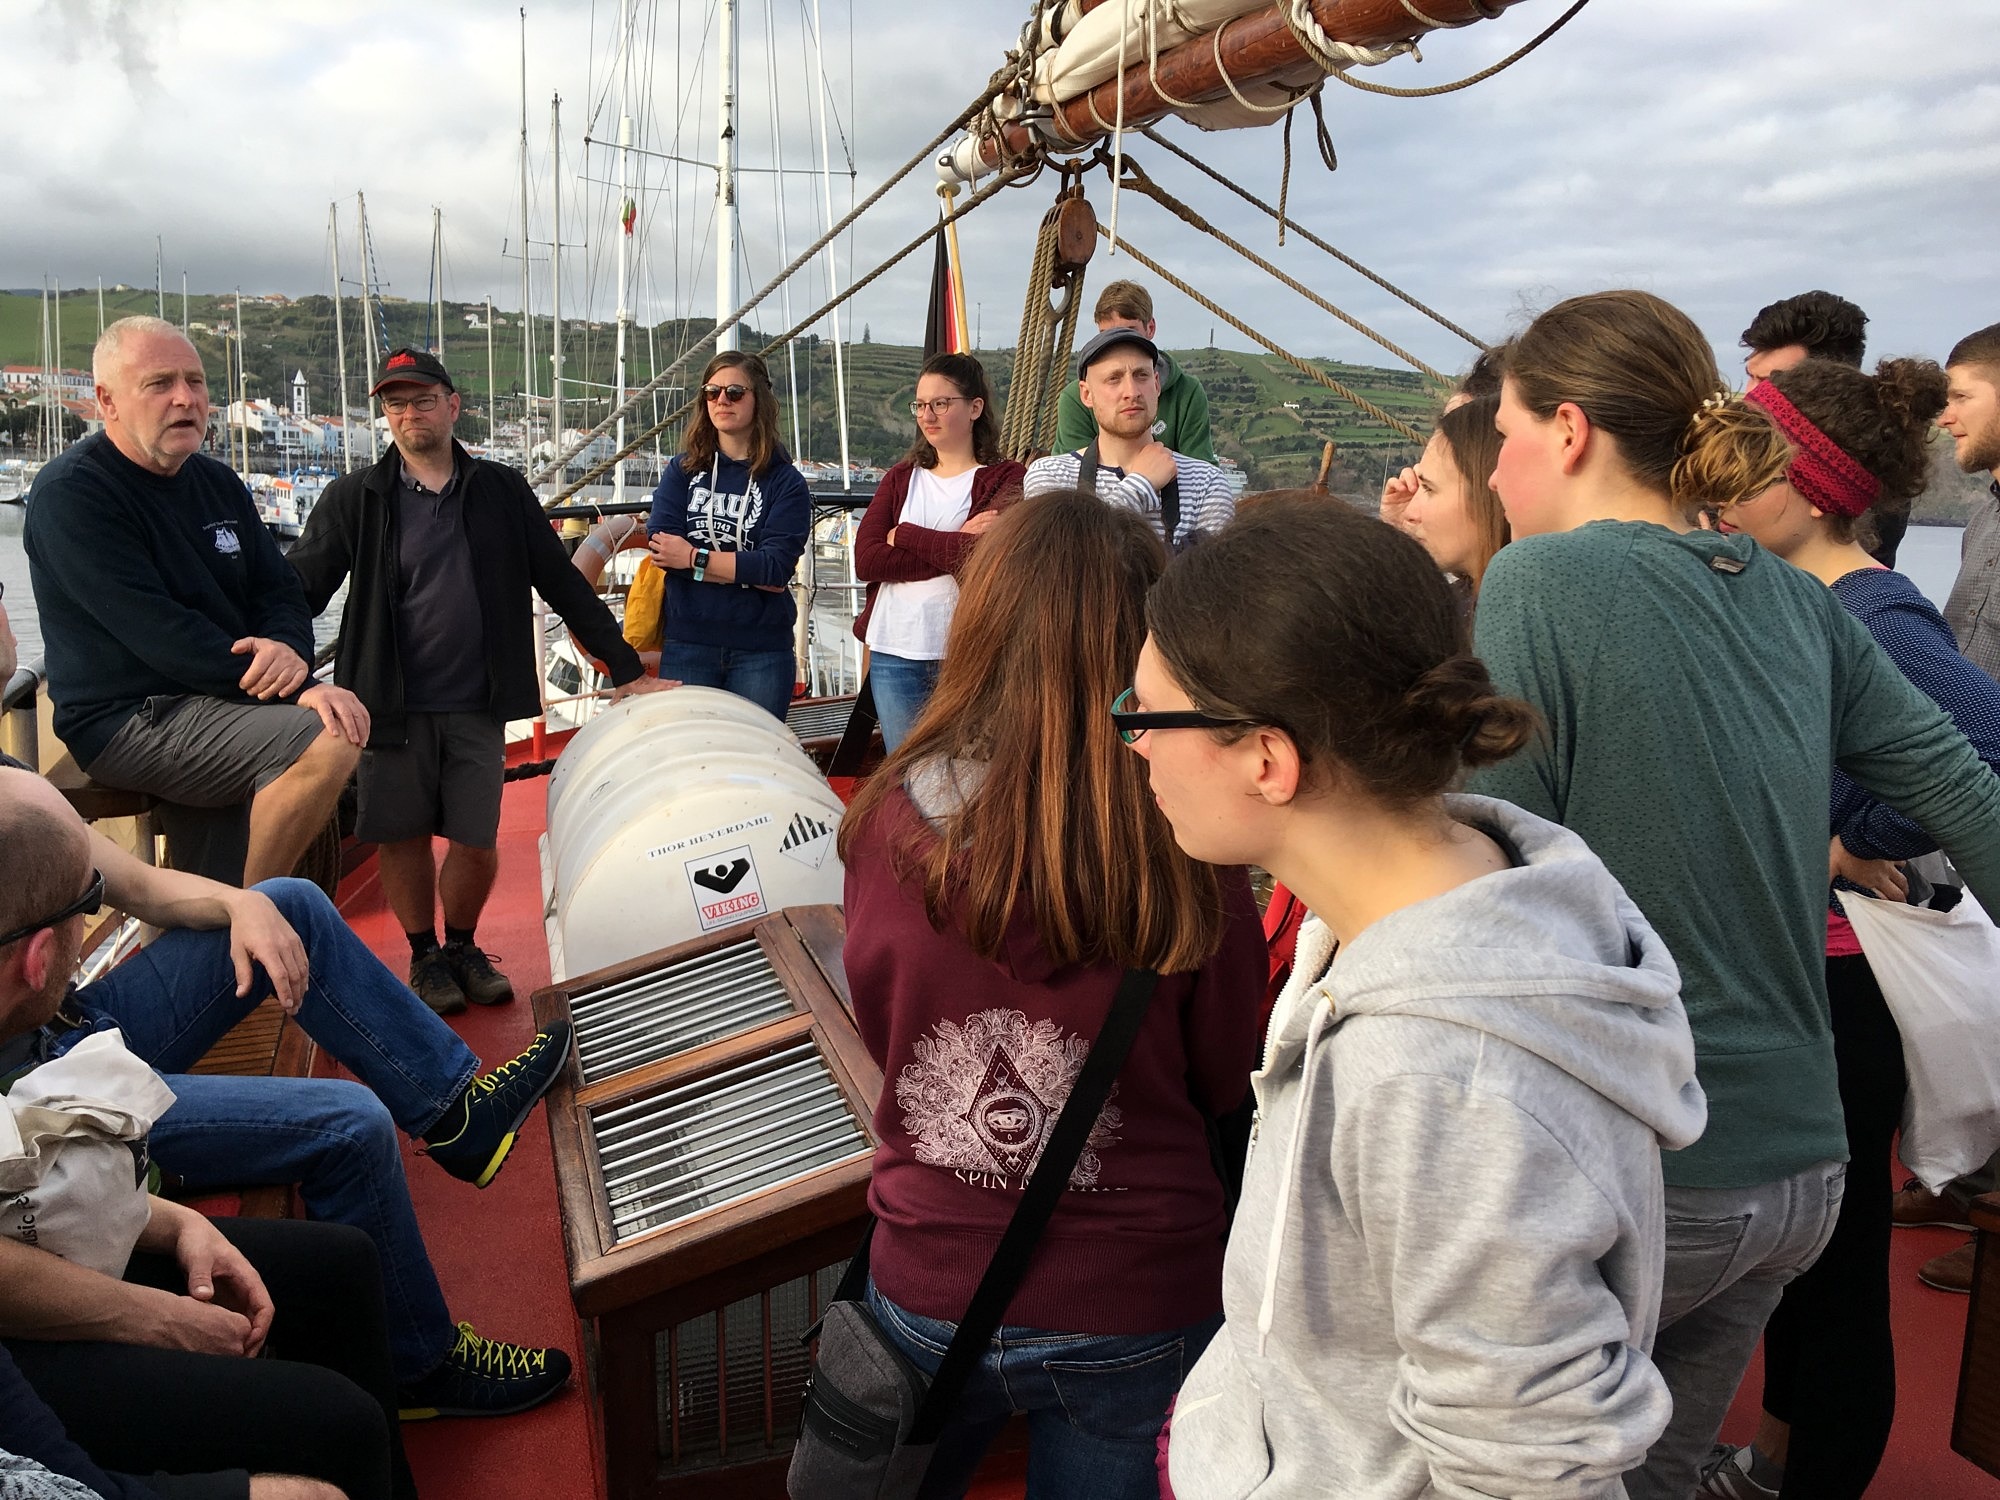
column 224, row 951
column 440, row 552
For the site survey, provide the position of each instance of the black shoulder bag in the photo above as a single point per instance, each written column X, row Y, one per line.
column 1088, row 464
column 871, row 1419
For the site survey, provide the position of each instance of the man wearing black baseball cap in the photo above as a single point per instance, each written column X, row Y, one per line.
column 1118, row 381
column 440, row 551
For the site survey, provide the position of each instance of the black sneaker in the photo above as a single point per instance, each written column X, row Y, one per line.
column 484, row 1378
column 473, row 968
column 431, row 978
column 472, row 1140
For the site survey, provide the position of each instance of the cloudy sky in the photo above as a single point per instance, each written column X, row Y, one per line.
column 1720, row 152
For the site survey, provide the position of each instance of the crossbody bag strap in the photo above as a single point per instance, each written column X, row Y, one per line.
column 1088, row 462
column 1038, row 1200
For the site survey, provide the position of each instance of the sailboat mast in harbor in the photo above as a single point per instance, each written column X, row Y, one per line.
column 555, row 271
column 527, row 322
column 367, row 322
column 437, row 278
column 832, row 258
column 725, row 179
column 340, row 341
column 628, row 214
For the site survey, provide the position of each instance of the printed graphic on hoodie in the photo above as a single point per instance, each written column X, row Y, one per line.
column 981, row 1098
column 722, row 519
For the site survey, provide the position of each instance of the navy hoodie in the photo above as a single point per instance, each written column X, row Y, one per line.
column 143, row 582
column 764, row 521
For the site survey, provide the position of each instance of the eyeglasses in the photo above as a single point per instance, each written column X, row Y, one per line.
column 942, row 405
column 1131, row 724
column 729, row 393
column 397, row 405
column 89, row 901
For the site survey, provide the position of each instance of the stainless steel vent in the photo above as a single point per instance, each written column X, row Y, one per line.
column 723, row 1137
column 819, row 721
column 650, row 1016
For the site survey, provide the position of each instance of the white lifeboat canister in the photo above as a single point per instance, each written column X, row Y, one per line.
column 674, row 814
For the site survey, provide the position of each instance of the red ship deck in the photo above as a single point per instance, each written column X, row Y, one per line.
column 499, row 1255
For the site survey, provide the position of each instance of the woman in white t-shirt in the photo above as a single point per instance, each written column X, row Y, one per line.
column 926, row 514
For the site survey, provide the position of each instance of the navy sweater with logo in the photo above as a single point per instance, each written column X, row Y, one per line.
column 764, row 521
column 144, row 582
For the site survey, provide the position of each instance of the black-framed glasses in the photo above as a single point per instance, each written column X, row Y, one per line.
column 730, row 393
column 397, row 405
column 941, row 405
column 89, row 901
column 1131, row 723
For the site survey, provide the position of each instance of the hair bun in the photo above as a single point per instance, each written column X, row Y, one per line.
column 1911, row 392
column 1458, row 698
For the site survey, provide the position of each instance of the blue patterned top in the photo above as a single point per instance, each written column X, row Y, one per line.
column 1908, row 626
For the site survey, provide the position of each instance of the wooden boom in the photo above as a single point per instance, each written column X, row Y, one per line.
column 1254, row 47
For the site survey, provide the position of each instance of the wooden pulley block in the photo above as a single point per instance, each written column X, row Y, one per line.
column 1076, row 233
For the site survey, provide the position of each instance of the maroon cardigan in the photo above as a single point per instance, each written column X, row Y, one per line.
column 919, row 552
column 977, row 1057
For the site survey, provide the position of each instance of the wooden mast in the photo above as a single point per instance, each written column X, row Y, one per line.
column 1253, row 47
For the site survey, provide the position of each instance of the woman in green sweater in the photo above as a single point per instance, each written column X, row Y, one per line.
column 1698, row 693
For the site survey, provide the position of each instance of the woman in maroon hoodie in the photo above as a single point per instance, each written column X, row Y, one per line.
column 919, row 530
column 1004, row 867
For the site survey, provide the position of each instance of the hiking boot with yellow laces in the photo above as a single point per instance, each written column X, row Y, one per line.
column 484, row 1378
column 473, row 1136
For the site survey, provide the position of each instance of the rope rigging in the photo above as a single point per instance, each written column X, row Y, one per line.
column 1305, row 367
column 1464, row 83
column 1048, row 324
column 994, row 87
column 676, row 417
column 1139, row 182
column 1307, row 235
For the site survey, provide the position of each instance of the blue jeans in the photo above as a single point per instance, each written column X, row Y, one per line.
column 1095, row 1402
column 764, row 677
column 902, row 686
column 1730, row 1254
column 336, row 1140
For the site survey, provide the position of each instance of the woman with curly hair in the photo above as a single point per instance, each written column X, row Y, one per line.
column 1806, row 463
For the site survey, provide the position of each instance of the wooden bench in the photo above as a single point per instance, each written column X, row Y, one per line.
column 1975, row 1428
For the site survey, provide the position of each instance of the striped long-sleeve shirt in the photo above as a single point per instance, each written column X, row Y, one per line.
column 1206, row 500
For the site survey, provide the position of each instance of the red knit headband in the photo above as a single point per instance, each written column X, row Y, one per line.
column 1821, row 470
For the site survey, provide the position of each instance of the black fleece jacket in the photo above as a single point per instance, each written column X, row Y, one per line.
column 352, row 532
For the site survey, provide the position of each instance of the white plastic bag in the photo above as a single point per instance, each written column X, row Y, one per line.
column 1940, row 973
column 73, row 1153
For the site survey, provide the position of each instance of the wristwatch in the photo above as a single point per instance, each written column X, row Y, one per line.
column 700, row 563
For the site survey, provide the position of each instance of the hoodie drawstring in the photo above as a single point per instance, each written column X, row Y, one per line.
column 1267, row 1309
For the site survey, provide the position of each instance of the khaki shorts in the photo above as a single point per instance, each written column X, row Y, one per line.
column 446, row 780
column 204, row 752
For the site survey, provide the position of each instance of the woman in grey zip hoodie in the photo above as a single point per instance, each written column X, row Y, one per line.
column 1444, row 1274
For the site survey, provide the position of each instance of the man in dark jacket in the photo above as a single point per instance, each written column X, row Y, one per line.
column 179, row 647
column 438, row 640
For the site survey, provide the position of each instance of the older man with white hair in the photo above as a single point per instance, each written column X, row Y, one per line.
column 177, row 639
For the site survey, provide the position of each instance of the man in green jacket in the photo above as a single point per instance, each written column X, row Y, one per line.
column 1182, row 421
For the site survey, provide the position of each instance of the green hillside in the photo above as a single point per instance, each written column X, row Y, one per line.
column 1266, row 416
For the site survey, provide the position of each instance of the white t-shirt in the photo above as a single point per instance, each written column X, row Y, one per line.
column 912, row 619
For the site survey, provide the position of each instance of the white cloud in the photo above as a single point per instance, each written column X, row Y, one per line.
column 1721, row 152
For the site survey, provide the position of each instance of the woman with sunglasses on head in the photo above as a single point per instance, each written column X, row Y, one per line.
column 1699, row 693
column 1453, row 510
column 919, row 530
column 1805, row 462
column 730, row 518
column 1445, row 1264
column 1005, row 866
